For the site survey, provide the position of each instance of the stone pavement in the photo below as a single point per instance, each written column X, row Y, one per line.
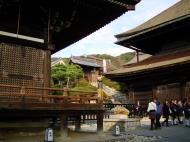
column 177, row 133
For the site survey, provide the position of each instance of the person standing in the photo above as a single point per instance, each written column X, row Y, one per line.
column 180, row 111
column 173, row 109
column 177, row 111
column 158, row 114
column 152, row 113
column 187, row 114
column 165, row 113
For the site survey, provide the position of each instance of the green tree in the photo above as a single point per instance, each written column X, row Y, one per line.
column 63, row 72
column 58, row 73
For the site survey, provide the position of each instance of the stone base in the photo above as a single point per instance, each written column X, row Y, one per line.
column 119, row 116
column 125, row 124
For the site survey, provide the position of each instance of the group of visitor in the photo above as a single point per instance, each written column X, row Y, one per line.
column 178, row 111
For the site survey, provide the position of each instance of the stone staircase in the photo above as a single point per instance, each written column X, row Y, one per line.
column 115, row 95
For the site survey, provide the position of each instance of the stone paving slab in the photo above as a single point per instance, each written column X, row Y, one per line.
column 177, row 133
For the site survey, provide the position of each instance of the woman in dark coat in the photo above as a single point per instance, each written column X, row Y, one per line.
column 187, row 114
column 173, row 114
column 165, row 113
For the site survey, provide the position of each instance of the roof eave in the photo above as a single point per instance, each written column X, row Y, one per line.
column 129, row 41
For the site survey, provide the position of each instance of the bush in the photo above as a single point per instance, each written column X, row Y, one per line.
column 113, row 84
column 54, row 92
column 83, row 85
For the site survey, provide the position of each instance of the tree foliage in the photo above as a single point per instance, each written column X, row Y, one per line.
column 113, row 84
column 126, row 57
column 63, row 72
column 105, row 56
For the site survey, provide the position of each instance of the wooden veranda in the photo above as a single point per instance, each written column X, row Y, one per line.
column 72, row 103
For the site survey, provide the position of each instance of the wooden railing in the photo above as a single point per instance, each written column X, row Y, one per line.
column 27, row 95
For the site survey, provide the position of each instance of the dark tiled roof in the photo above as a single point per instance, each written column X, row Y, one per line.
column 154, row 62
column 179, row 10
column 85, row 62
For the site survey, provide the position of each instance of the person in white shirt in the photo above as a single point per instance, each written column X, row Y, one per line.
column 152, row 113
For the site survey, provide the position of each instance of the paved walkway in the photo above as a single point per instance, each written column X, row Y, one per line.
column 177, row 133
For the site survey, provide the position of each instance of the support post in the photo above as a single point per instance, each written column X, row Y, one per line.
column 154, row 91
column 100, row 89
column 78, row 123
column 100, row 116
column 131, row 95
column 66, row 91
column 137, row 56
column 64, row 126
column 182, row 90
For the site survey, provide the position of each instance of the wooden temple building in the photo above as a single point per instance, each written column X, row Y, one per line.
column 30, row 31
column 166, row 74
column 91, row 68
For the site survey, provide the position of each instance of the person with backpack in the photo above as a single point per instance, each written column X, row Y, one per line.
column 158, row 114
column 187, row 114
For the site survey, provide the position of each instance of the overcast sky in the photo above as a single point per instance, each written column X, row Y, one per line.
column 102, row 41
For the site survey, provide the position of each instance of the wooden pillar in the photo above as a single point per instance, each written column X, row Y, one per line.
column 154, row 92
column 66, row 91
column 100, row 116
column 64, row 125
column 182, row 90
column 47, row 71
column 131, row 95
column 137, row 56
column 78, row 123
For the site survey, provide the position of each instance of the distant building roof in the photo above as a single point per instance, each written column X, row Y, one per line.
column 155, row 62
column 84, row 61
column 58, row 61
column 142, row 56
column 94, row 57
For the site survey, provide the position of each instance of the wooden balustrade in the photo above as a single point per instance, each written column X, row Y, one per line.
column 69, row 96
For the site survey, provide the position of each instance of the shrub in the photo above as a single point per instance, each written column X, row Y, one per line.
column 113, row 84
column 55, row 92
column 85, row 86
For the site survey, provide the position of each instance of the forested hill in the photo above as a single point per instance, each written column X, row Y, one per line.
column 118, row 60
